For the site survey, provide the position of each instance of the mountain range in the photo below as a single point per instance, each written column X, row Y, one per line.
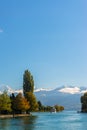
column 67, row 96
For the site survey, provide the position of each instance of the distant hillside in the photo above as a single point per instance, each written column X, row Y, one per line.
column 67, row 96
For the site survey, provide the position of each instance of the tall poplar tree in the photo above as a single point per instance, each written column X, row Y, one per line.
column 28, row 82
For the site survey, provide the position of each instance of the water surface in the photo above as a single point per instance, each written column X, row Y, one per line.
column 69, row 120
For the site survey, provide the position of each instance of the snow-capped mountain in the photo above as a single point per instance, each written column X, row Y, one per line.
column 6, row 88
column 9, row 90
column 68, row 96
column 65, row 89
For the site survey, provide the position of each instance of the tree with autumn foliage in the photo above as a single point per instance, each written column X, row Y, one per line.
column 28, row 89
column 21, row 104
column 32, row 100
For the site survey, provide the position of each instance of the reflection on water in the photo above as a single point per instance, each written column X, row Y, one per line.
column 28, row 122
column 69, row 120
column 3, row 124
column 23, row 123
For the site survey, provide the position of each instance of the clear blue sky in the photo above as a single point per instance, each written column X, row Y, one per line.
column 48, row 37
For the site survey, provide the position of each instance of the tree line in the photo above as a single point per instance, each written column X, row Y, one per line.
column 23, row 103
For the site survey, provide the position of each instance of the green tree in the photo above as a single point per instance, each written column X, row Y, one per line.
column 28, row 82
column 12, row 97
column 21, row 104
column 84, row 102
column 5, row 103
column 59, row 108
column 32, row 100
column 40, row 106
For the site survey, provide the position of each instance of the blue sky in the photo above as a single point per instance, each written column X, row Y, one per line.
column 47, row 37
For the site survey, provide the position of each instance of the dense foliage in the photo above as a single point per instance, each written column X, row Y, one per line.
column 59, row 108
column 32, row 100
column 84, row 102
column 43, row 108
column 28, row 89
column 5, row 103
column 20, row 104
column 28, row 82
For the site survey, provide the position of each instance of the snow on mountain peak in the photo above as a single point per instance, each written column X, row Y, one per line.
column 63, row 89
column 9, row 89
column 71, row 90
column 6, row 88
column 83, row 91
column 42, row 89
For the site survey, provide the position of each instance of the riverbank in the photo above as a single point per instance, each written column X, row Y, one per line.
column 15, row 115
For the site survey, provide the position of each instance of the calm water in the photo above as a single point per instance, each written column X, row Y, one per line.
column 69, row 120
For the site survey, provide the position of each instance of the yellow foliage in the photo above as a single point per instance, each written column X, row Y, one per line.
column 21, row 103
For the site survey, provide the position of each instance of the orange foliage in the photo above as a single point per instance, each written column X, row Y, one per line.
column 21, row 103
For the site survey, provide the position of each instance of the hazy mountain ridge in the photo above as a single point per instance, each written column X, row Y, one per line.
column 68, row 96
